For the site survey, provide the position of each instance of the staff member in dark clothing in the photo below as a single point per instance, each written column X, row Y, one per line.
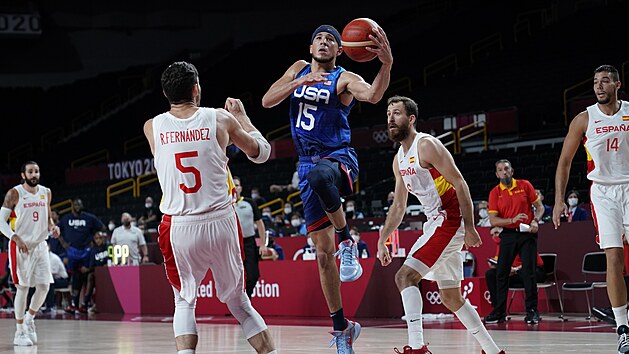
column 78, row 229
column 250, row 217
column 510, row 206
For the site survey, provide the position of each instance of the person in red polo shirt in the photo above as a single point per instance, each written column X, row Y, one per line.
column 510, row 206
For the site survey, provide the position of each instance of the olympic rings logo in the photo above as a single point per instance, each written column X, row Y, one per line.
column 433, row 297
column 380, row 136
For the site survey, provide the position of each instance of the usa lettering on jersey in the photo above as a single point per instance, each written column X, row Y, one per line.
column 312, row 93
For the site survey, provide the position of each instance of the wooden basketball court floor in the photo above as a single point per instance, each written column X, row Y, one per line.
column 101, row 333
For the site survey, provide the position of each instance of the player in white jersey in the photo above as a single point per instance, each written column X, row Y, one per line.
column 426, row 169
column 28, row 250
column 604, row 127
column 199, row 230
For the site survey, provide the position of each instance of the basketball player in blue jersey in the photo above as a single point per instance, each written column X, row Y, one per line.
column 321, row 96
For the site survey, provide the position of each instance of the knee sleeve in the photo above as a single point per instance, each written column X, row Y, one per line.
column 20, row 301
column 184, row 321
column 249, row 319
column 325, row 179
column 41, row 291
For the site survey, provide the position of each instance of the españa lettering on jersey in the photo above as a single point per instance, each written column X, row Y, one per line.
column 34, row 204
column 184, row 136
column 612, row 128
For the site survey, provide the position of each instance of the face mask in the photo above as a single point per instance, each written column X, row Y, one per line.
column 148, row 205
column 310, row 242
column 350, row 208
column 573, row 201
column 356, row 238
column 288, row 210
column 268, row 215
column 295, row 222
column 111, row 226
column 254, row 196
column 483, row 213
column 506, row 181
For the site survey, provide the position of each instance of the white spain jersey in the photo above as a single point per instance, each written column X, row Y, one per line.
column 428, row 185
column 607, row 144
column 31, row 212
column 191, row 165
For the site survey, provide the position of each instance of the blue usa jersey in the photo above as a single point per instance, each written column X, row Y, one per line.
column 318, row 119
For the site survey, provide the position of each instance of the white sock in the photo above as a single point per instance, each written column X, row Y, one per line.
column 620, row 315
column 186, row 351
column 28, row 317
column 19, row 326
column 471, row 320
column 412, row 301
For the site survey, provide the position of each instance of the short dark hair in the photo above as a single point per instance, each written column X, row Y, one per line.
column 178, row 80
column 575, row 192
column 30, row 162
column 409, row 105
column 503, row 161
column 610, row 69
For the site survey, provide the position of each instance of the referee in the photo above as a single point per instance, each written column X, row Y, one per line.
column 250, row 218
column 510, row 206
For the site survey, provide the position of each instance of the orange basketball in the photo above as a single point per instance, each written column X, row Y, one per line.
column 355, row 38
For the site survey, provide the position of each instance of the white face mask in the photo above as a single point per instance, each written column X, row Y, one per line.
column 295, row 222
column 483, row 213
column 288, row 210
column 111, row 226
column 349, row 208
column 310, row 242
column 573, row 201
column 356, row 238
column 148, row 205
column 268, row 215
column 254, row 196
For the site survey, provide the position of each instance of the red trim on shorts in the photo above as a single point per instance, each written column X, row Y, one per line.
column 349, row 178
column 597, row 238
column 314, row 226
column 172, row 273
column 13, row 255
column 241, row 241
column 430, row 252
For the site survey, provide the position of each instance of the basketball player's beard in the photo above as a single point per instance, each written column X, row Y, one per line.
column 33, row 182
column 322, row 60
column 605, row 100
column 402, row 132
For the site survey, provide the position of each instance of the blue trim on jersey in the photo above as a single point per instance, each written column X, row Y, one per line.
column 318, row 118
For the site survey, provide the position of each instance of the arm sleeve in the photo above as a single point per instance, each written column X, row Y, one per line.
column 493, row 202
column 263, row 146
column 256, row 211
column 5, row 228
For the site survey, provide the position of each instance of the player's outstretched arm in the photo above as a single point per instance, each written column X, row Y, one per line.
column 241, row 132
column 373, row 93
column 286, row 84
column 577, row 129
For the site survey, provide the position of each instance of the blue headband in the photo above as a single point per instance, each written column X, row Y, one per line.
column 329, row 29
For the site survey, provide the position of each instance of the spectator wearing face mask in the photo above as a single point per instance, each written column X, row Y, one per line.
column 297, row 225
column 575, row 213
column 483, row 214
column 288, row 213
column 351, row 212
column 267, row 217
column 363, row 250
column 151, row 216
column 255, row 195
